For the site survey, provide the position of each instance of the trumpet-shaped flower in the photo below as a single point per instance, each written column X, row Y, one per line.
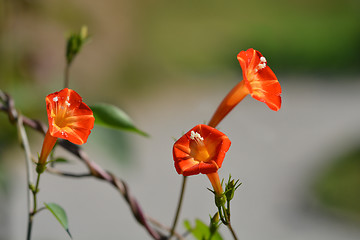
column 258, row 80
column 201, row 150
column 69, row 118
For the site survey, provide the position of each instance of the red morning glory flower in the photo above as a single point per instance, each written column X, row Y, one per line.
column 201, row 150
column 258, row 80
column 69, row 118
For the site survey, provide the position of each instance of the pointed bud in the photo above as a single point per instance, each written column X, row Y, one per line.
column 214, row 223
column 230, row 188
column 74, row 43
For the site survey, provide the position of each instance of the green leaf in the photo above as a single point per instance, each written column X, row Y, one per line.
column 217, row 236
column 113, row 117
column 60, row 160
column 59, row 214
column 187, row 225
column 201, row 231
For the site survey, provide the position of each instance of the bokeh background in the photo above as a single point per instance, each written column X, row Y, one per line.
column 168, row 64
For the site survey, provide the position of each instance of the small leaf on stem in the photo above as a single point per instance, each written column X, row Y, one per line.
column 59, row 214
column 60, row 160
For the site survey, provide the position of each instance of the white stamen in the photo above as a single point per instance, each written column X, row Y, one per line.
column 67, row 103
column 262, row 65
column 196, row 136
column 55, row 99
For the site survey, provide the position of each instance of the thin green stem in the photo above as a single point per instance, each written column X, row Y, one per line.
column 36, row 190
column 222, row 218
column 232, row 231
column 28, row 236
column 228, row 209
column 67, row 68
column 26, row 146
column 227, row 218
column 178, row 207
column 35, row 210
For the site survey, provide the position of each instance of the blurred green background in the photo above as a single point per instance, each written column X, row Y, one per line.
column 139, row 47
column 172, row 40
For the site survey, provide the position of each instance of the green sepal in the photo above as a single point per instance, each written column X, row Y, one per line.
column 40, row 168
column 220, row 200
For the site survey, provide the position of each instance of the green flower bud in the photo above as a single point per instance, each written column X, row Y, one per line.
column 74, row 43
column 214, row 223
column 220, row 200
column 230, row 188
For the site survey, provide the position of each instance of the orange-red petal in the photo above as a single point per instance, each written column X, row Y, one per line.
column 69, row 118
column 260, row 80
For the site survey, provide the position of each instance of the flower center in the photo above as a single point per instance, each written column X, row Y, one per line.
column 60, row 120
column 61, row 112
column 261, row 65
column 200, row 153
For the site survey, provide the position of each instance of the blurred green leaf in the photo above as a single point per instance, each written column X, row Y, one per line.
column 338, row 185
column 201, row 231
column 59, row 214
column 113, row 117
column 217, row 236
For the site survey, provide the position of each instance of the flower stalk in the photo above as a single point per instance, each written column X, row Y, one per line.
column 172, row 231
column 26, row 145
